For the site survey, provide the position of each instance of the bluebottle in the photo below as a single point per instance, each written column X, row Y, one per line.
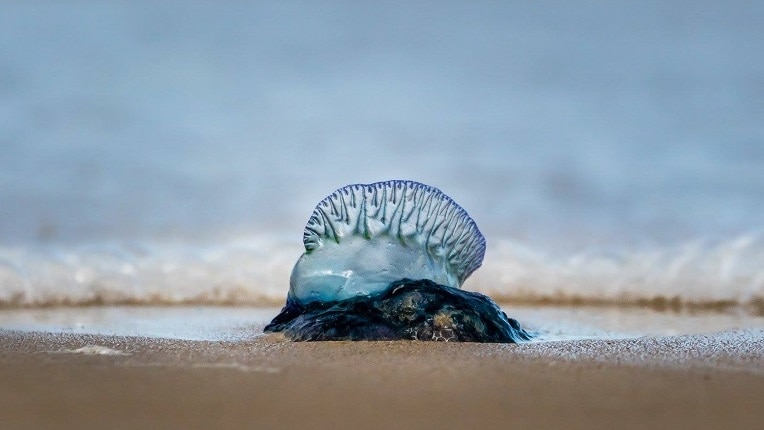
column 386, row 261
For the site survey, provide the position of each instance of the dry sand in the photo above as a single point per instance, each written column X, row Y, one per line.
column 84, row 381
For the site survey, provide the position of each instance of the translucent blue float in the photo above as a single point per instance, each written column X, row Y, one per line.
column 363, row 237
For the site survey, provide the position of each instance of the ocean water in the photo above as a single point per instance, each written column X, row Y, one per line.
column 165, row 152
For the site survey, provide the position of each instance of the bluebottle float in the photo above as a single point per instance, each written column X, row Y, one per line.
column 370, row 249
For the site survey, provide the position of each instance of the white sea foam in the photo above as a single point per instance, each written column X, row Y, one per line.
column 237, row 272
column 699, row 273
column 255, row 271
column 93, row 350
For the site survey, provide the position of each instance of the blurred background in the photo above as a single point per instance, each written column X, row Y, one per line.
column 565, row 125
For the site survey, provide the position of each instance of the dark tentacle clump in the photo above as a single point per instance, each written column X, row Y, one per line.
column 416, row 310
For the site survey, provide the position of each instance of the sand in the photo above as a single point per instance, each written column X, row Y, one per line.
column 78, row 381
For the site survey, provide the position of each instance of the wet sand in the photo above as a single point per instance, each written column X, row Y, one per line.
column 94, row 381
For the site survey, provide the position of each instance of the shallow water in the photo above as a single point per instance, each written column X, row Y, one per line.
column 189, row 323
column 241, row 323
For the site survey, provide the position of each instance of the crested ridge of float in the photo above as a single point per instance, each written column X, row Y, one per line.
column 414, row 214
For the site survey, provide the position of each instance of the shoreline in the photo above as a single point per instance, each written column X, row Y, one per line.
column 70, row 380
column 753, row 307
column 233, row 323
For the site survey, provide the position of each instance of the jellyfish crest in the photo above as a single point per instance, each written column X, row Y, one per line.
column 364, row 236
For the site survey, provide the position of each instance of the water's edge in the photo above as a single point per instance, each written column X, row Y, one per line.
column 238, row 323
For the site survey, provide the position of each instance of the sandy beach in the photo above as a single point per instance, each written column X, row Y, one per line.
column 263, row 381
